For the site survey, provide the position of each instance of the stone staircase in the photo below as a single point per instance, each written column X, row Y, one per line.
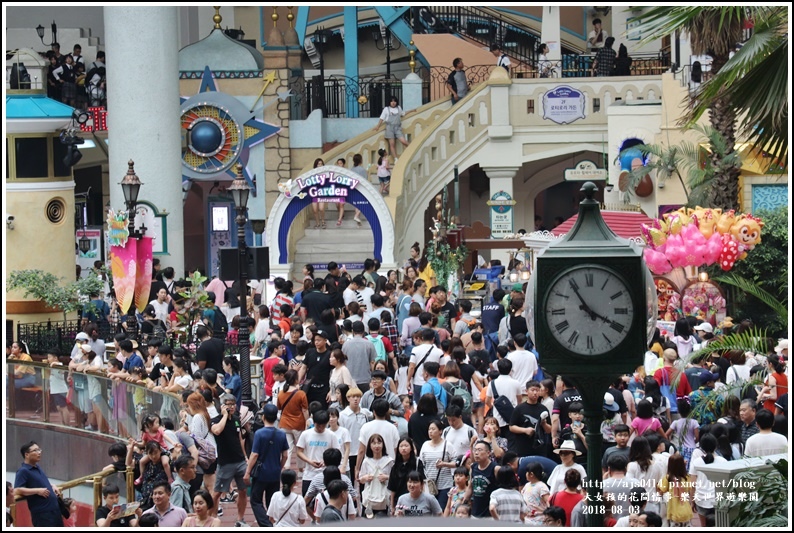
column 348, row 244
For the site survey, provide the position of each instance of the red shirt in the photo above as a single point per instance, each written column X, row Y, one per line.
column 666, row 376
column 567, row 501
column 267, row 371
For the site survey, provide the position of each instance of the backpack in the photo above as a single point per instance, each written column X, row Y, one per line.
column 219, row 324
column 380, row 348
column 456, row 389
column 158, row 330
column 207, row 453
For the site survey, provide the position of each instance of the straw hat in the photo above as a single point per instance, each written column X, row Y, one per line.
column 568, row 446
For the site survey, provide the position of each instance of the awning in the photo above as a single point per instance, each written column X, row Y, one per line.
column 626, row 224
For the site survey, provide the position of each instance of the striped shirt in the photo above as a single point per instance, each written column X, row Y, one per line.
column 278, row 301
column 509, row 504
column 429, row 455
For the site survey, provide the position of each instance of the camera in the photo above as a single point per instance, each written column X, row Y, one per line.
column 10, row 221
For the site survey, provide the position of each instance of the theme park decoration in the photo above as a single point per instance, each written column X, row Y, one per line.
column 327, row 187
column 632, row 159
column 130, row 263
column 703, row 299
column 701, row 236
column 445, row 260
column 563, row 105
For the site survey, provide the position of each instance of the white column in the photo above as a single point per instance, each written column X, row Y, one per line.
column 144, row 113
column 550, row 32
column 412, row 92
column 501, row 179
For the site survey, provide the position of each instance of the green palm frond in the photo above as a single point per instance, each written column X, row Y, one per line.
column 713, row 28
column 747, row 286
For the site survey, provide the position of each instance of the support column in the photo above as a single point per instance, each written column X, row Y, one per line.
column 351, row 56
column 550, row 32
column 501, row 192
column 143, row 114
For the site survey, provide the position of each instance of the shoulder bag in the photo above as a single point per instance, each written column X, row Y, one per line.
column 502, row 404
column 432, row 484
column 287, row 510
column 257, row 469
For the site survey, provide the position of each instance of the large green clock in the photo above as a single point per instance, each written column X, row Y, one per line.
column 589, row 309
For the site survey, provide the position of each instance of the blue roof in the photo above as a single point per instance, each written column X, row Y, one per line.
column 35, row 106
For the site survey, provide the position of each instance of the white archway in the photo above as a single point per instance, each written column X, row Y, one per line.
column 292, row 199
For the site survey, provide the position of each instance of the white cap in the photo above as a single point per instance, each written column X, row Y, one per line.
column 704, row 326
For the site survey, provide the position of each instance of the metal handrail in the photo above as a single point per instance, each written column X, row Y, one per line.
column 96, row 479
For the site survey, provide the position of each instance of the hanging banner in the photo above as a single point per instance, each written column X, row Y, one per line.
column 123, row 267
column 501, row 204
column 143, row 274
column 563, row 105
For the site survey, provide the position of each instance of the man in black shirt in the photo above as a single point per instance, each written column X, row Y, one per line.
column 559, row 413
column 318, row 369
column 529, row 425
column 335, row 273
column 165, row 368
column 232, row 462
column 106, row 516
column 448, row 311
column 315, row 301
column 616, row 390
column 493, row 312
column 210, row 351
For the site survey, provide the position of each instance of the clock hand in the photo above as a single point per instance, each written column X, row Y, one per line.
column 584, row 307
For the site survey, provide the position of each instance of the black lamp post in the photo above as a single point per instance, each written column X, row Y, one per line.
column 54, row 29
column 240, row 192
column 131, row 186
column 321, row 37
column 387, row 45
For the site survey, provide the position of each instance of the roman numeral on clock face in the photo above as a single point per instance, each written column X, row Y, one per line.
column 573, row 338
column 558, row 312
column 616, row 295
column 621, row 311
column 617, row 327
column 589, row 342
column 562, row 326
column 588, row 278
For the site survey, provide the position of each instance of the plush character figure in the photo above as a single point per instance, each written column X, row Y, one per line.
column 747, row 232
column 725, row 222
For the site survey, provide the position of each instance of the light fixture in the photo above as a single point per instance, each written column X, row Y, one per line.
column 525, row 275
column 80, row 116
column 609, row 187
column 84, row 244
column 71, row 140
column 258, row 225
column 240, row 190
column 513, row 277
column 131, row 185
column 54, row 29
column 703, row 275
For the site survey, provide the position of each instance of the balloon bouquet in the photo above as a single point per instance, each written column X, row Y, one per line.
column 700, row 236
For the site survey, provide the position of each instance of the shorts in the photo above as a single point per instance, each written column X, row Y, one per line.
column 705, row 511
column 59, row 399
column 393, row 131
column 387, row 179
column 227, row 473
column 211, row 469
column 477, row 405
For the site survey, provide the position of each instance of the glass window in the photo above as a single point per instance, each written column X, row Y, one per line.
column 31, row 155
column 58, row 153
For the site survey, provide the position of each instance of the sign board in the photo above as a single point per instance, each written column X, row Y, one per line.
column 585, row 171
column 666, row 328
column 147, row 216
column 97, row 121
column 323, row 187
column 350, row 267
column 563, row 105
column 86, row 260
column 501, row 204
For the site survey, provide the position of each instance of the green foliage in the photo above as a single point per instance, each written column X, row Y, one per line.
column 445, row 260
column 194, row 300
column 766, row 266
column 45, row 286
column 771, row 507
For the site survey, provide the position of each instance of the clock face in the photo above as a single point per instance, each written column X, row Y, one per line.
column 589, row 310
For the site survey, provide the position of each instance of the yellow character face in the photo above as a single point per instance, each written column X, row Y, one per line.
column 725, row 222
column 748, row 232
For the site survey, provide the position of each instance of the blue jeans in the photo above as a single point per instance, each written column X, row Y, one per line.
column 27, row 380
column 442, row 497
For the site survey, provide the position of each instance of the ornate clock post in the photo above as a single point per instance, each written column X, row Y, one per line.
column 591, row 319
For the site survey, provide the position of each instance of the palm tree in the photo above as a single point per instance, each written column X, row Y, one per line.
column 714, row 31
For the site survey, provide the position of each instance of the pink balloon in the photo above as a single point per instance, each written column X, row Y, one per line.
column 657, row 262
column 713, row 249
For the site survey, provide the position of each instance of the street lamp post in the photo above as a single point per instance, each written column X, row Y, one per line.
column 131, row 186
column 321, row 36
column 240, row 191
column 387, row 45
column 53, row 28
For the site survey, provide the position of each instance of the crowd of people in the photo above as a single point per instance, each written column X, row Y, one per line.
column 74, row 82
column 381, row 397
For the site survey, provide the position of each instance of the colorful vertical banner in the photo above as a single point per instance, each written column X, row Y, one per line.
column 143, row 274
column 123, row 267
